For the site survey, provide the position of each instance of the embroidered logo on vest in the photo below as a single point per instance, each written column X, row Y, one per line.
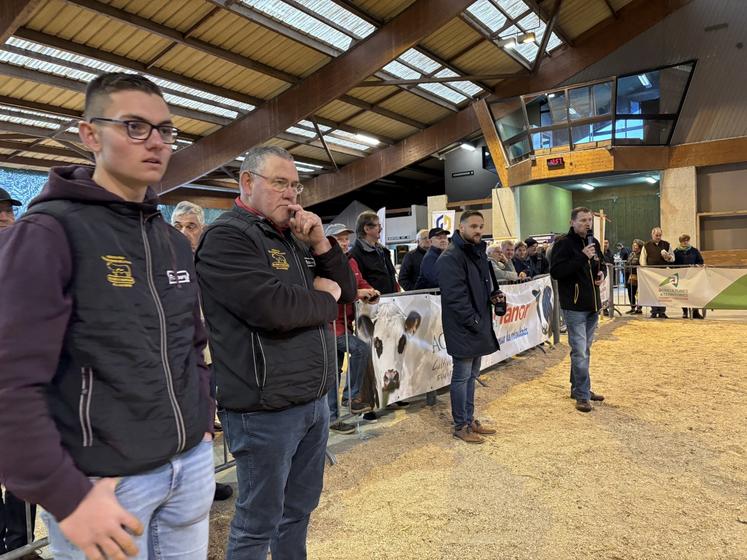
column 120, row 271
column 178, row 276
column 279, row 262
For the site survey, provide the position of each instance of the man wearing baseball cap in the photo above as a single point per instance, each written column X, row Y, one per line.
column 359, row 350
column 7, row 213
column 439, row 241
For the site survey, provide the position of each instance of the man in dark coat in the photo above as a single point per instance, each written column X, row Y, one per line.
column 428, row 278
column 687, row 255
column 467, row 315
column 410, row 269
column 577, row 267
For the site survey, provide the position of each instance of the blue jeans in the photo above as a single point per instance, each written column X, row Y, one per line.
column 280, row 469
column 462, row 390
column 581, row 326
column 172, row 502
column 359, row 352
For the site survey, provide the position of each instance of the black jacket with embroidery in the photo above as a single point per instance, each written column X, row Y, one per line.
column 100, row 343
column 270, row 336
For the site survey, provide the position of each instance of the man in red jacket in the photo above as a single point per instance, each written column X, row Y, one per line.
column 359, row 351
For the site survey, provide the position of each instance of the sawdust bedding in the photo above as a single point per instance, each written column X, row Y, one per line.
column 657, row 471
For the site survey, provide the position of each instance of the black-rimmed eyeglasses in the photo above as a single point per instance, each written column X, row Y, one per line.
column 141, row 130
column 279, row 184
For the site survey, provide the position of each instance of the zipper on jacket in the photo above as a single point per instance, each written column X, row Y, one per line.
column 181, row 431
column 84, row 405
column 254, row 357
column 264, row 362
column 575, row 293
column 320, row 328
column 593, row 287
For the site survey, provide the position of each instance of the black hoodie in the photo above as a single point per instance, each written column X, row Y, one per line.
column 100, row 342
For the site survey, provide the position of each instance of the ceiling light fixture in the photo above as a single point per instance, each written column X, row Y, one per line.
column 651, row 180
column 508, row 43
column 645, row 82
column 526, row 38
column 587, row 186
column 468, row 147
column 367, row 139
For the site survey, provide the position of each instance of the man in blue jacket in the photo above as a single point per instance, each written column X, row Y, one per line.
column 467, row 315
column 578, row 268
column 439, row 240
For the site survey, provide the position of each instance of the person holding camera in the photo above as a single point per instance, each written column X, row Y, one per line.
column 577, row 266
column 467, row 299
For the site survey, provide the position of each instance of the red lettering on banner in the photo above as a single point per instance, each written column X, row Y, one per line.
column 515, row 313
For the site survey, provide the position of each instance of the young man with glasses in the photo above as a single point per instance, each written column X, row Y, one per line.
column 271, row 282
column 105, row 408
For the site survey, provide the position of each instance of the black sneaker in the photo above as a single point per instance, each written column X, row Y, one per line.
column 663, row 316
column 222, row 492
column 342, row 427
column 370, row 416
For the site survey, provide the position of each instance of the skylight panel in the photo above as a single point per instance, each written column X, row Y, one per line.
column 512, row 31
column 310, row 125
column 345, row 18
column 27, row 122
column 100, row 66
column 300, row 132
column 527, row 50
column 445, row 92
column 487, row 14
column 513, row 8
column 401, row 71
column 354, row 138
column 554, row 42
column 533, row 23
column 466, row 87
column 288, row 15
column 420, row 61
column 346, row 143
column 31, row 113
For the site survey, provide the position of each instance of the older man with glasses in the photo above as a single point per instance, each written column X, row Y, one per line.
column 271, row 282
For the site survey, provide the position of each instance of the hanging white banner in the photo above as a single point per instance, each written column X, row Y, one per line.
column 699, row 287
column 407, row 339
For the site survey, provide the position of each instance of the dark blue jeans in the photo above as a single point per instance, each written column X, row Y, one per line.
column 462, row 390
column 581, row 326
column 359, row 352
column 280, row 467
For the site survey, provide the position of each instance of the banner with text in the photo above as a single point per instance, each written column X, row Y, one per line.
column 699, row 287
column 407, row 338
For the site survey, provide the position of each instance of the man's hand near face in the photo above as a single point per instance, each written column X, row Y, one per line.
column 307, row 227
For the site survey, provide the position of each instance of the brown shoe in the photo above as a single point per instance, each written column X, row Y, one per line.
column 465, row 433
column 596, row 396
column 481, row 429
column 584, row 406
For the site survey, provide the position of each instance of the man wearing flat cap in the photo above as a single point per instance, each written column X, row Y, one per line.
column 538, row 264
column 428, row 276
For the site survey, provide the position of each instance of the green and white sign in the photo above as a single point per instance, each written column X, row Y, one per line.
column 700, row 287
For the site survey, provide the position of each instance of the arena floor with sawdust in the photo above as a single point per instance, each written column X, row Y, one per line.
column 657, row 471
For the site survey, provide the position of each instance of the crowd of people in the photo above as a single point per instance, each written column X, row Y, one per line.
column 109, row 387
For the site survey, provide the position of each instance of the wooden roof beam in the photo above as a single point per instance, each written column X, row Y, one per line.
column 39, row 149
column 546, row 36
column 432, row 80
column 174, row 35
column 14, row 14
column 591, row 47
column 326, row 84
column 545, row 16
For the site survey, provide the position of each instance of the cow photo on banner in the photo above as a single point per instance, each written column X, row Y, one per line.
column 408, row 352
column 407, row 345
